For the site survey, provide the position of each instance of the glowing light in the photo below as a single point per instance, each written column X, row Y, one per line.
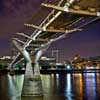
column 57, row 75
column 68, row 67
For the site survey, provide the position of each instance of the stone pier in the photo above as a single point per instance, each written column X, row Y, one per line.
column 32, row 85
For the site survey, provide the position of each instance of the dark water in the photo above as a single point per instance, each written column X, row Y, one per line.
column 56, row 87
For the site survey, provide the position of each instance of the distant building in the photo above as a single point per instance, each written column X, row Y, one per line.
column 5, row 61
column 5, row 57
column 46, row 63
column 91, row 62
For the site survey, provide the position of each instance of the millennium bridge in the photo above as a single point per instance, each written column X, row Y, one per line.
column 56, row 20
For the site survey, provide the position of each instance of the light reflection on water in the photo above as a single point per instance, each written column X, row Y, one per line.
column 55, row 87
column 72, row 86
column 15, row 84
column 90, row 86
column 11, row 87
column 68, row 88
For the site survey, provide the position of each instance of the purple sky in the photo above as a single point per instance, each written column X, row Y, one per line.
column 14, row 13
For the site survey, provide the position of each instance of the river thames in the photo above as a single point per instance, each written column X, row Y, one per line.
column 55, row 87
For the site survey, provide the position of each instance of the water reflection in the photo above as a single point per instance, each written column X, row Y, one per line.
column 73, row 87
column 90, row 86
column 55, row 87
column 11, row 87
column 78, row 86
column 68, row 92
column 15, row 84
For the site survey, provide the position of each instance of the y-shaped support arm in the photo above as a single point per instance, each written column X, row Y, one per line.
column 27, row 58
column 41, row 50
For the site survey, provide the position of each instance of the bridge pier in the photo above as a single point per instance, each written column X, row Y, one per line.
column 32, row 85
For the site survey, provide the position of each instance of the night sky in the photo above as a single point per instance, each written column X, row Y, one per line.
column 14, row 13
